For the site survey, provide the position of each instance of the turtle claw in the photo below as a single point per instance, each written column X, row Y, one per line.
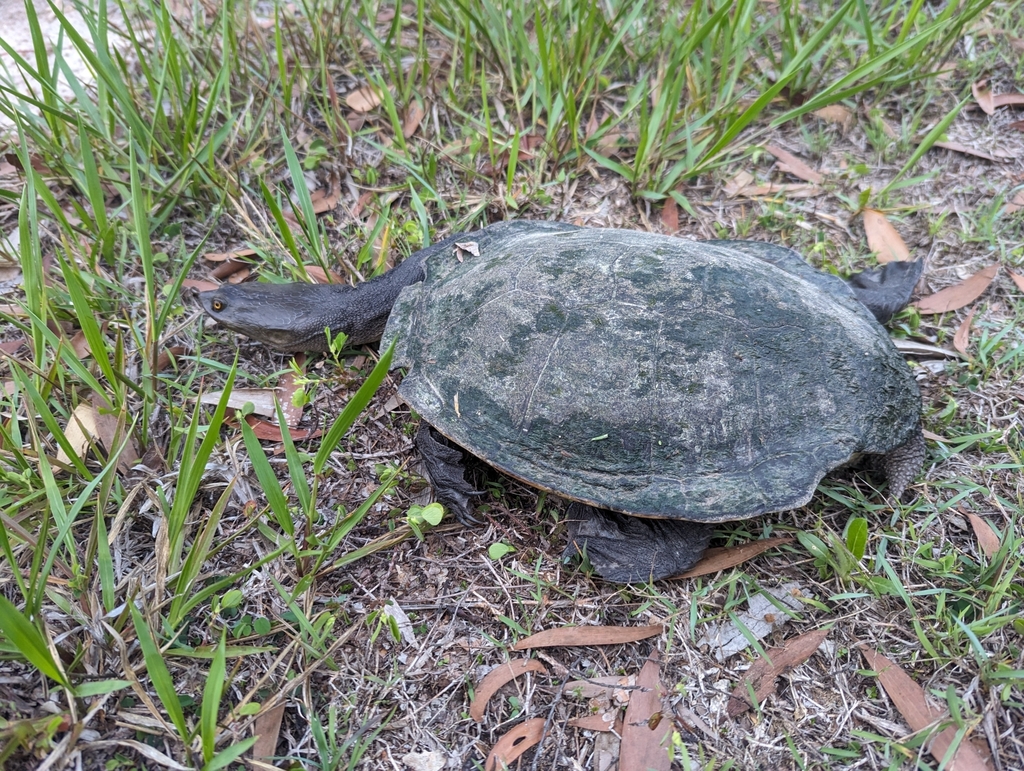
column 629, row 550
column 446, row 471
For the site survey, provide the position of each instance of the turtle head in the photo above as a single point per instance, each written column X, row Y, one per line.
column 289, row 317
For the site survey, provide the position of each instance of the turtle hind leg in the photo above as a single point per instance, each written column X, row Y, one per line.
column 627, row 549
column 903, row 463
column 446, row 471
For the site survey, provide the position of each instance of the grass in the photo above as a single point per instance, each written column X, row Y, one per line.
column 171, row 570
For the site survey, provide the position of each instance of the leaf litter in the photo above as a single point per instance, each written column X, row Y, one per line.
column 646, row 731
column 921, row 715
column 988, row 538
column 588, row 635
column 961, row 339
column 766, row 612
column 498, row 677
column 760, row 678
column 959, row 295
column 790, row 164
column 719, row 558
column 883, row 239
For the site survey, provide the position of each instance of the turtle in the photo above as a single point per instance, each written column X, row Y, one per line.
column 660, row 385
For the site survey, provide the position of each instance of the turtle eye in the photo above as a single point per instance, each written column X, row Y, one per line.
column 217, row 305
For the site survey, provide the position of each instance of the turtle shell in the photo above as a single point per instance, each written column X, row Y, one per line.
column 646, row 374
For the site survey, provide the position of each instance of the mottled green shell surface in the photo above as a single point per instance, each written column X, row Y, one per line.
column 650, row 375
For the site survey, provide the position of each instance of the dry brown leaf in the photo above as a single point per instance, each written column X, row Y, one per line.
column 261, row 399
column 80, row 432
column 1018, row 279
column 610, row 144
column 960, row 295
column 958, row 147
column 603, row 721
column 202, row 286
column 9, row 274
column 233, row 255
column 790, row 164
column 983, row 96
column 80, row 345
column 413, row 117
column 723, row 558
column 1015, row 204
column 588, row 635
column 364, row 199
column 763, row 672
column 883, row 239
column 1004, row 100
column 266, row 728
column 738, row 183
column 603, row 686
column 742, row 185
column 322, row 276
column 1017, row 124
column 498, row 677
column 670, row 216
column 469, row 247
column 838, row 114
column 11, row 346
column 912, row 703
column 167, row 357
column 963, row 332
column 271, row 432
column 363, row 99
column 229, row 269
column 35, row 160
column 646, row 732
column 324, row 200
column 931, row 435
column 528, row 143
column 515, row 743
column 988, row 538
column 110, row 432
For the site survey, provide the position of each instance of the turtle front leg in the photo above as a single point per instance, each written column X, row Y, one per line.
column 630, row 550
column 446, row 472
column 903, row 463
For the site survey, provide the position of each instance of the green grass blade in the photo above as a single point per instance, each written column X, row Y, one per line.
column 192, row 465
column 212, row 693
column 314, row 241
column 226, row 757
column 24, row 635
column 296, row 473
column 283, row 228
column 352, row 410
column 159, row 674
column 197, row 557
column 810, row 49
column 925, row 145
column 268, row 479
column 87, row 321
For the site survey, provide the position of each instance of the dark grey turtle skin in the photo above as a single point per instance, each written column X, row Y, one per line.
column 678, row 383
